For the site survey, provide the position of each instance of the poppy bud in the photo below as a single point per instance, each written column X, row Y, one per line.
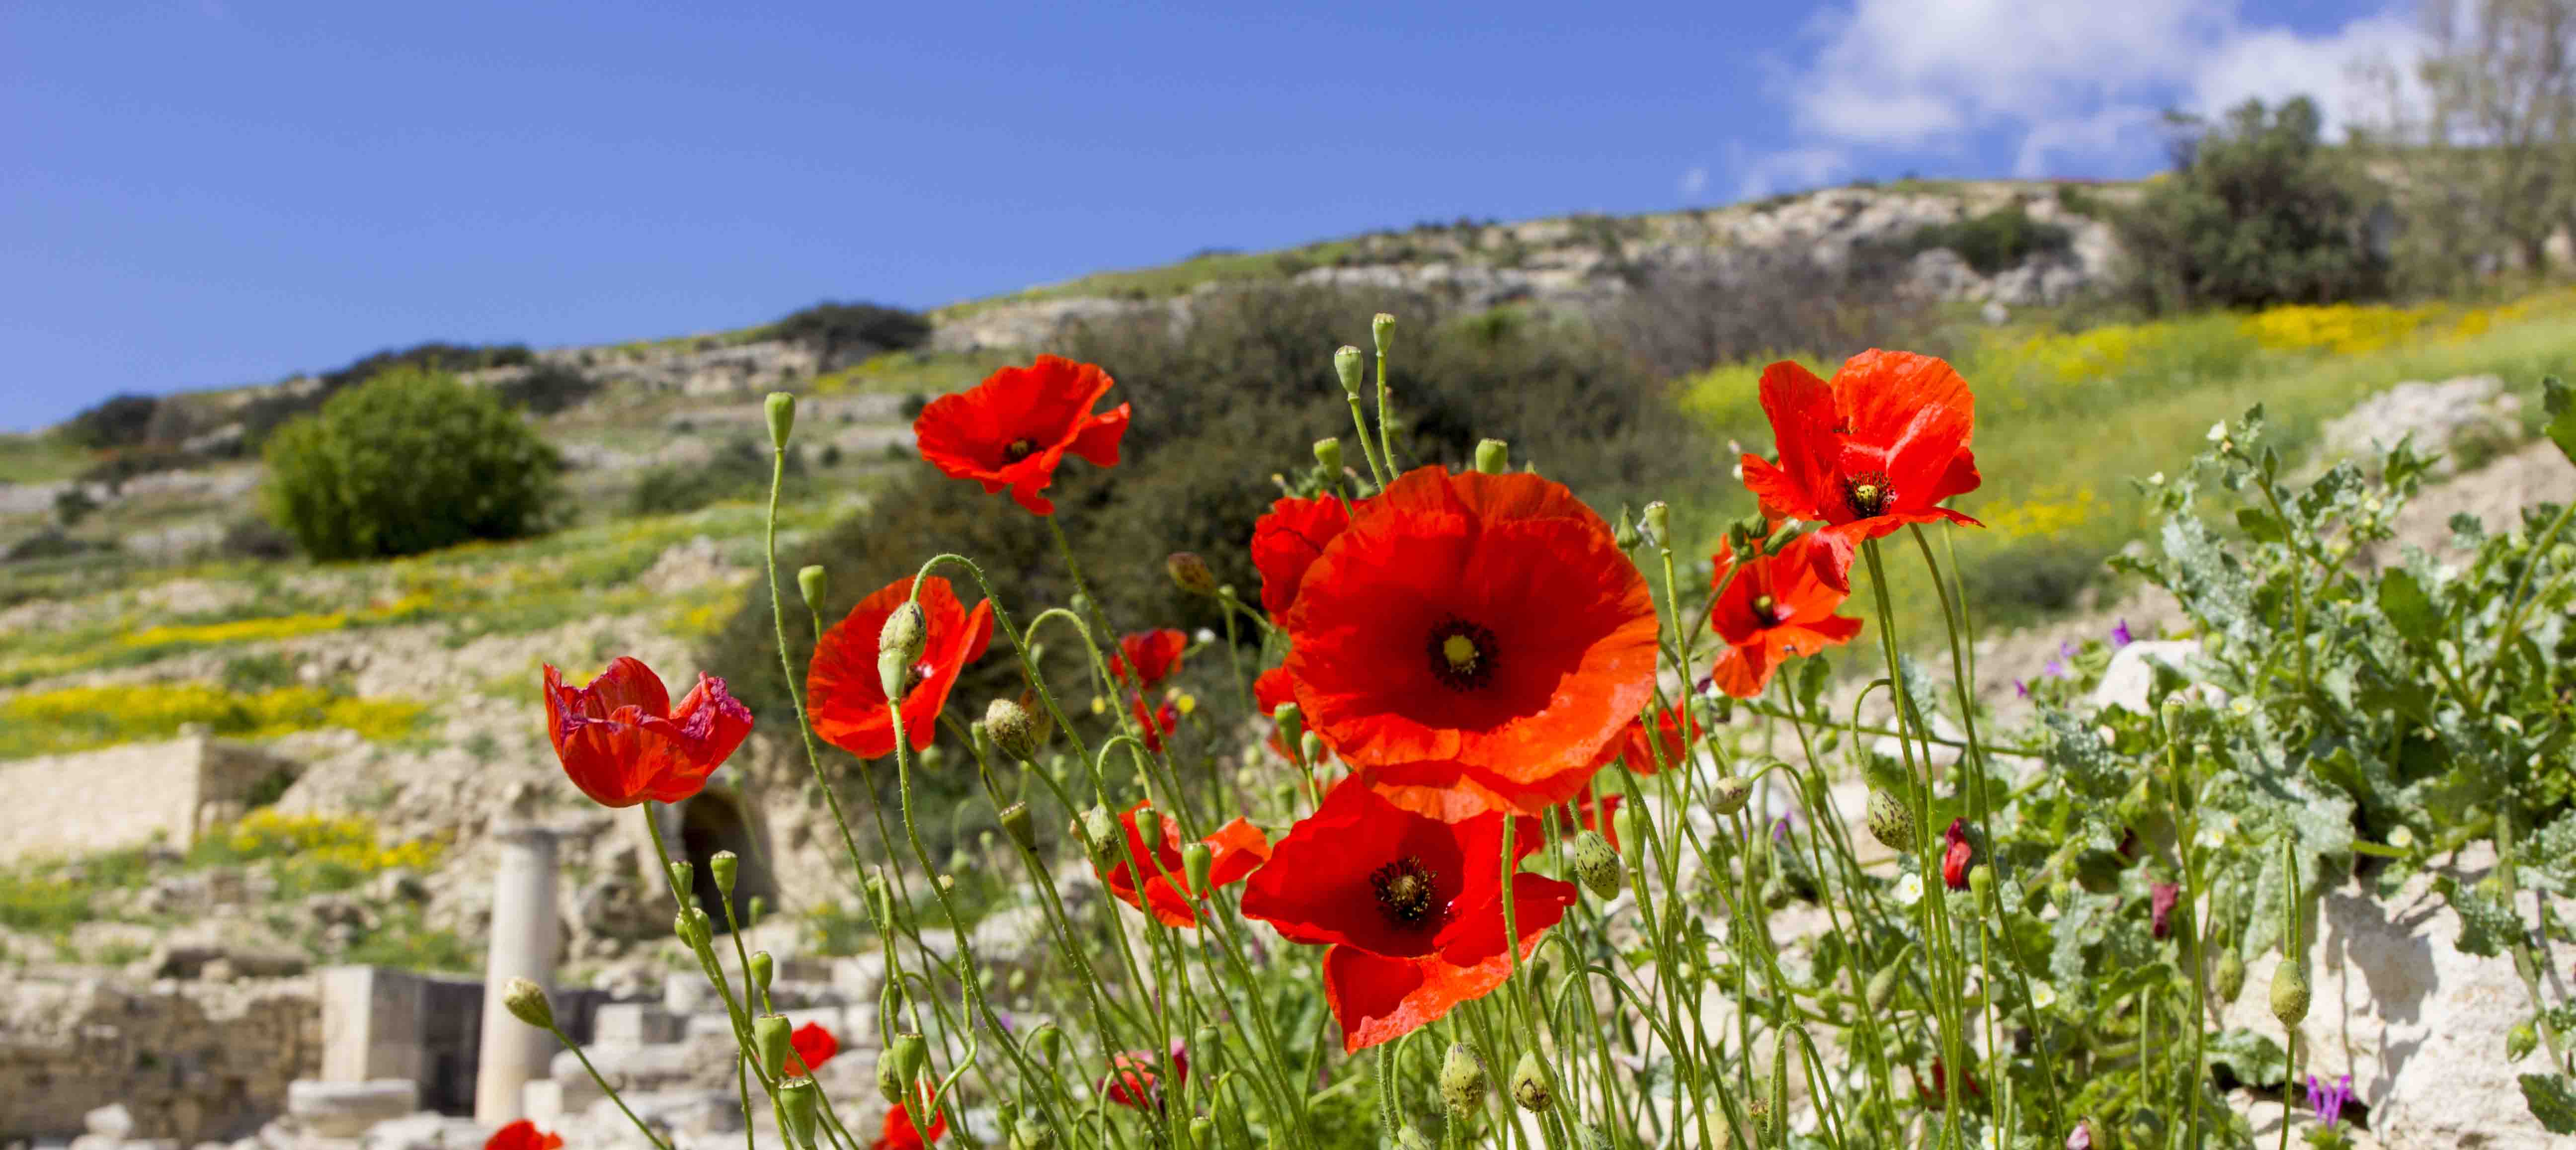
column 1729, row 795
column 725, row 866
column 889, row 1079
column 1047, row 1040
column 752, row 912
column 1981, row 884
column 692, row 928
column 527, row 1003
column 1311, row 747
column 880, row 899
column 909, row 1052
column 2290, row 993
column 1190, row 573
column 1328, row 455
column 1493, row 456
column 1736, row 542
column 1382, row 332
column 763, row 969
column 899, row 647
column 2519, row 1041
column 1013, row 727
column 1756, row 527
column 814, row 583
column 1291, row 720
column 1656, row 521
column 1630, row 822
column 1196, row 863
column 781, row 410
column 1530, row 1086
column 2230, row 979
column 1625, row 533
column 798, row 1099
column 1016, row 823
column 1100, row 832
column 1596, row 864
column 1202, row 1131
column 773, row 1040
column 1889, row 822
column 1031, row 1136
column 683, row 875
column 1346, row 364
column 1462, row 1081
column 1882, row 987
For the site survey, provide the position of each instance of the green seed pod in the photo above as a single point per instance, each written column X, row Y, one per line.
column 910, row 1054
column 1882, row 987
column 2290, row 993
column 781, row 410
column 1013, row 727
column 1016, row 823
column 1382, row 333
column 725, row 866
column 683, row 876
column 2519, row 1041
column 1656, row 521
column 815, row 584
column 1202, row 1131
column 1530, row 1087
column 889, row 1079
column 2230, row 979
column 1596, row 864
column 1206, row 1047
column 1190, row 573
column 1462, row 1081
column 1493, row 456
column 1033, row 1135
column 1328, row 455
column 799, row 1099
column 1981, row 886
column 1047, row 1041
column 1890, row 822
column 899, row 646
column 770, row 1034
column 1100, row 834
column 1729, row 795
column 763, row 969
column 1310, row 748
column 752, row 912
column 1775, row 893
column 1348, row 366
column 692, row 928
column 527, row 1003
column 1624, row 533
column 1197, row 861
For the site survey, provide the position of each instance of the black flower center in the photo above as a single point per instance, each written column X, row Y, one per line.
column 1462, row 655
column 1868, row 494
column 1408, row 893
column 1019, row 449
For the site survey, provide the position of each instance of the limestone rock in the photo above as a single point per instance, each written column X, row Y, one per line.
column 349, row 1109
column 2127, row 680
column 2471, row 416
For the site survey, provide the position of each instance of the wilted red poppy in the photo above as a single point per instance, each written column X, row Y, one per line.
column 622, row 742
column 1958, row 856
column 846, row 697
column 1133, row 1082
column 1879, row 447
column 1472, row 640
column 814, row 1046
column 1937, row 1095
column 522, row 1135
column 1148, row 657
column 1286, row 541
column 2161, row 899
column 1237, row 848
column 1411, row 906
column 1671, row 742
column 901, row 1134
column 1776, row 607
column 1600, row 814
column 1014, row 428
column 1154, row 724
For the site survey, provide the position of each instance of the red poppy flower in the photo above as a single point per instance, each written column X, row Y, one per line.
column 847, row 698
column 1879, row 447
column 1776, row 607
column 1671, row 745
column 2161, row 899
column 901, row 1134
column 522, row 1135
column 1163, row 720
column 1472, row 640
column 1133, row 1083
column 1014, row 428
column 1411, row 906
column 814, row 1046
column 622, row 742
column 1600, row 814
column 1937, row 1095
column 1958, row 857
column 1150, row 656
column 1238, row 847
column 1286, row 542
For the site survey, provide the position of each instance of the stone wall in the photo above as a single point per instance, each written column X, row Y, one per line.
column 190, row 1061
column 64, row 805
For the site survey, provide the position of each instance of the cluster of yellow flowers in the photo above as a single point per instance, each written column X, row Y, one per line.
column 2051, row 512
column 2342, row 329
column 237, row 631
column 2069, row 357
column 346, row 842
column 78, row 718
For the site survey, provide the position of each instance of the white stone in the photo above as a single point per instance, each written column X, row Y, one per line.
column 2126, row 681
column 110, row 1121
column 347, row 1109
column 633, row 1024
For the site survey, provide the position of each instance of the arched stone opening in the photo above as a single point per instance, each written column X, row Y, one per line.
column 713, row 822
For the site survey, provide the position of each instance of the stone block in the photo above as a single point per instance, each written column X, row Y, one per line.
column 634, row 1024
column 348, row 1109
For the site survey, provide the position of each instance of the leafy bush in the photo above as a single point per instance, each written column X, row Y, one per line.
column 117, row 421
column 846, row 333
column 547, row 389
column 1997, row 240
column 409, row 462
column 738, row 470
column 2258, row 211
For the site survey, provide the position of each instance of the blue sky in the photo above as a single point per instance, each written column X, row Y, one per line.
column 203, row 193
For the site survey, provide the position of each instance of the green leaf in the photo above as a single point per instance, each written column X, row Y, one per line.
column 2408, row 608
column 2552, row 1101
column 2557, row 399
column 2487, row 924
column 2259, row 524
column 2077, row 754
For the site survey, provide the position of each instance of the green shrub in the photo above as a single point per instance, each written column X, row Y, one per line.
column 2259, row 212
column 846, row 333
column 117, row 421
column 547, row 389
column 1997, row 240
column 409, row 461
column 738, row 470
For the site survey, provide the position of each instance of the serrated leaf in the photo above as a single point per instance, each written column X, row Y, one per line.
column 2259, row 524
column 2487, row 925
column 2556, row 399
column 2552, row 1100
column 2408, row 608
column 2076, row 752
column 2255, row 1060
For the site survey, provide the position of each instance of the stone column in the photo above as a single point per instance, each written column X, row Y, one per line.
column 525, row 936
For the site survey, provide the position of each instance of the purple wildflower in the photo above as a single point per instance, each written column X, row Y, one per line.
column 2080, row 1138
column 2056, row 669
column 2021, row 688
column 2120, row 636
column 2328, row 1101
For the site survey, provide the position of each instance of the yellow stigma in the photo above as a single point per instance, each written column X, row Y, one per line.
column 1460, row 651
column 1764, row 605
column 1865, row 495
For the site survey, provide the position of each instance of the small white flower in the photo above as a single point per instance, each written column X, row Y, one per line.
column 2402, row 837
column 2156, row 480
column 1992, row 1139
column 1909, row 890
column 2042, row 995
column 2241, row 708
column 1207, row 635
column 2218, row 431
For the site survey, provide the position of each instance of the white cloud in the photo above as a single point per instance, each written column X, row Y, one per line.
column 1792, row 170
column 1694, row 182
column 2065, row 81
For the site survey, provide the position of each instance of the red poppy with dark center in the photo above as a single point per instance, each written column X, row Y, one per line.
column 1287, row 541
column 1411, row 906
column 900, row 1134
column 1146, row 658
column 1670, row 745
column 1775, row 608
column 1601, row 814
column 1472, row 641
column 1013, row 429
column 1133, row 1082
column 1161, row 721
column 813, row 1046
column 522, row 1135
column 1236, row 848
column 1879, row 447
column 847, row 697
column 1958, row 856
column 622, row 742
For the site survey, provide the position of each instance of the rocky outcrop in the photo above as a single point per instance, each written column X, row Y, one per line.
column 2461, row 421
column 187, row 1061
